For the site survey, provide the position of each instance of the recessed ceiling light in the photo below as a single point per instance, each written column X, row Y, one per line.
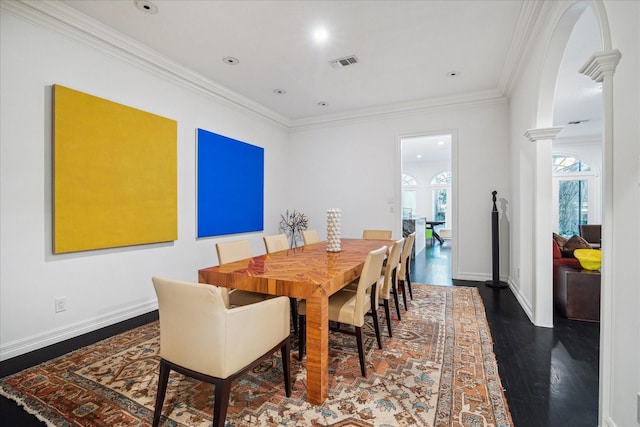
column 230, row 60
column 419, row 156
column 320, row 35
column 453, row 73
column 440, row 142
column 146, row 6
column 323, row 104
column 279, row 91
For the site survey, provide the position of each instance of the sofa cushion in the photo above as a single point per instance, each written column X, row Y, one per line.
column 576, row 242
column 569, row 262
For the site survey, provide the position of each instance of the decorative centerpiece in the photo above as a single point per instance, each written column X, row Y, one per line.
column 334, row 224
column 293, row 224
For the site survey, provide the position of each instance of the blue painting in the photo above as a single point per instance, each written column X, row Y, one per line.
column 230, row 182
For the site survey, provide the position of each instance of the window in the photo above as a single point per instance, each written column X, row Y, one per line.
column 408, row 180
column 409, row 196
column 440, row 189
column 574, row 188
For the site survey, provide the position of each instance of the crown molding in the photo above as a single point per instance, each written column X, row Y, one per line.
column 493, row 96
column 520, row 43
column 61, row 18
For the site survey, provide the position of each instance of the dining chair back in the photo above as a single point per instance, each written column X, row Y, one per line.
column 348, row 307
column 376, row 234
column 405, row 268
column 201, row 337
column 310, row 236
column 235, row 251
column 388, row 277
column 276, row 243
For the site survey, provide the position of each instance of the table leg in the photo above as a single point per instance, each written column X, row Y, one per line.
column 317, row 347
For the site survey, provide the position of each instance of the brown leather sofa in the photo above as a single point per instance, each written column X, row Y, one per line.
column 576, row 292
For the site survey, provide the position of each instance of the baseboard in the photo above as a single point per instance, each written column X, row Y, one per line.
column 526, row 306
column 479, row 277
column 609, row 423
column 35, row 342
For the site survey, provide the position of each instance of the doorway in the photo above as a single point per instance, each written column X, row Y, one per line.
column 428, row 197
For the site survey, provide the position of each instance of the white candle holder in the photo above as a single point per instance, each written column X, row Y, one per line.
column 334, row 225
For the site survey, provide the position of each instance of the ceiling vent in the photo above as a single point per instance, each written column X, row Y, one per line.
column 343, row 62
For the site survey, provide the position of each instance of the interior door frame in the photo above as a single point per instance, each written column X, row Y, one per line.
column 453, row 133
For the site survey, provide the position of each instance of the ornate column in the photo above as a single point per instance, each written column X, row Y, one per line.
column 542, row 309
column 600, row 68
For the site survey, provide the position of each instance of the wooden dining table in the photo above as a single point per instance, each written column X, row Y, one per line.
column 308, row 272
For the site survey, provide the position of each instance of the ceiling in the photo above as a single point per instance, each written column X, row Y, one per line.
column 405, row 49
column 410, row 53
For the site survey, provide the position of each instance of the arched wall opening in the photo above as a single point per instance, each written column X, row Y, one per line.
column 566, row 17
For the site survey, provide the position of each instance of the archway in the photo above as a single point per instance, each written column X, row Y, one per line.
column 599, row 67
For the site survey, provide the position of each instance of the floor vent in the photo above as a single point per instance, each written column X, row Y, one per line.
column 343, row 62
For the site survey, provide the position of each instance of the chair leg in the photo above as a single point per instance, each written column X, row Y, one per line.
column 394, row 291
column 359, row 340
column 294, row 313
column 302, row 335
column 376, row 324
column 163, row 379
column 408, row 280
column 404, row 293
column 222, row 393
column 285, row 351
column 388, row 315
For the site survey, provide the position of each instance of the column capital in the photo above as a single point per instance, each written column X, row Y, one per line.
column 601, row 64
column 542, row 133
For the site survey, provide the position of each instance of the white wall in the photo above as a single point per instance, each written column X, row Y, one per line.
column 104, row 286
column 355, row 166
column 624, row 362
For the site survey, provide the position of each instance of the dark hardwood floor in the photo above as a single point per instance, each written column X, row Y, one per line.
column 550, row 376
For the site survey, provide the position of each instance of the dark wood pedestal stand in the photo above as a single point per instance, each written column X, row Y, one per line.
column 495, row 248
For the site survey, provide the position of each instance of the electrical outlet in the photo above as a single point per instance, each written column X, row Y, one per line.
column 61, row 304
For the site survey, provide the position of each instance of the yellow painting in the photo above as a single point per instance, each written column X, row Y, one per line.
column 114, row 174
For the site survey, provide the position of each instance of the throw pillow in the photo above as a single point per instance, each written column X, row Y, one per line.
column 560, row 241
column 576, row 242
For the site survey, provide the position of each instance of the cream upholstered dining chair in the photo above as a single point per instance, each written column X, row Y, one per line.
column 235, row 251
column 388, row 286
column 276, row 243
column 376, row 234
column 201, row 337
column 405, row 267
column 310, row 236
column 349, row 307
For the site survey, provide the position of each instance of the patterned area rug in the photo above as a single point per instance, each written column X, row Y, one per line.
column 438, row 370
